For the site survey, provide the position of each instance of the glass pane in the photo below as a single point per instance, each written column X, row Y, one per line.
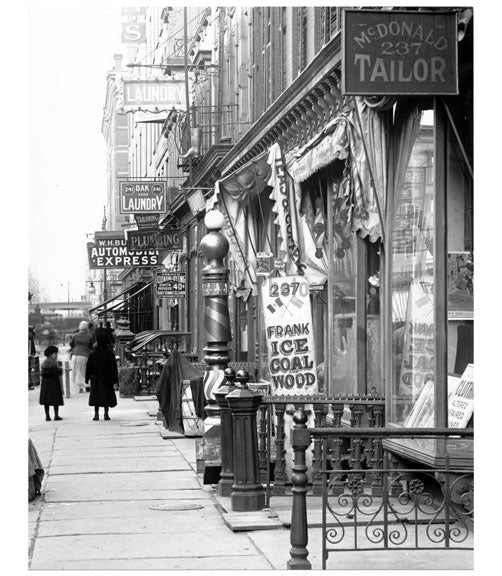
column 374, row 377
column 460, row 263
column 412, row 285
column 344, row 326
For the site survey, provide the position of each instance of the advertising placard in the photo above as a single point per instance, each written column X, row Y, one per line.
column 171, row 285
column 109, row 250
column 168, row 239
column 142, row 197
column 417, row 366
column 461, row 400
column 290, row 340
column 399, row 52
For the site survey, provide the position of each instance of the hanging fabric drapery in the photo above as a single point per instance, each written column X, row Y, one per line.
column 364, row 183
column 233, row 194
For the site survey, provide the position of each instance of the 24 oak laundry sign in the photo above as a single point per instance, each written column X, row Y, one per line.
column 142, row 197
column 399, row 52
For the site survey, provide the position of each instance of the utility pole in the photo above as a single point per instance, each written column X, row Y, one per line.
column 187, row 96
column 105, row 296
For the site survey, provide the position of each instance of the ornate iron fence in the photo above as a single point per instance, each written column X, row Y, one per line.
column 382, row 507
column 331, row 412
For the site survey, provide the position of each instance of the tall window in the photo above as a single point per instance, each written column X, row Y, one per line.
column 413, row 285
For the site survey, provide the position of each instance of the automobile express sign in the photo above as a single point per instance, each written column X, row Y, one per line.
column 399, row 52
column 109, row 250
column 142, row 197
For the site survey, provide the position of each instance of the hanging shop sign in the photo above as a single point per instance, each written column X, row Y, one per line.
column 289, row 335
column 171, row 285
column 147, row 221
column 154, row 240
column 399, row 52
column 142, row 197
column 109, row 250
column 151, row 95
column 133, row 33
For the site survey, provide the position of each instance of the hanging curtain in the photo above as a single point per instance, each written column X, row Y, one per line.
column 406, row 127
column 375, row 130
column 233, row 195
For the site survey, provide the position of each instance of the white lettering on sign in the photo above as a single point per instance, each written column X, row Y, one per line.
column 135, row 204
column 416, row 34
column 144, row 94
column 421, row 70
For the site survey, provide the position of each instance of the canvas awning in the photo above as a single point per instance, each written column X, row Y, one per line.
column 119, row 301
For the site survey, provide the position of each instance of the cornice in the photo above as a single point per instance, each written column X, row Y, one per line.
column 287, row 107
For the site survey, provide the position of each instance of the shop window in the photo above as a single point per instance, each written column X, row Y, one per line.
column 460, row 259
column 413, row 283
column 346, row 308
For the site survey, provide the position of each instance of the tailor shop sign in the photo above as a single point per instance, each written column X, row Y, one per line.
column 110, row 250
column 290, row 340
column 399, row 52
column 142, row 197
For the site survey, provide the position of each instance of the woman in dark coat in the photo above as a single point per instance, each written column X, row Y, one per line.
column 51, row 393
column 102, row 373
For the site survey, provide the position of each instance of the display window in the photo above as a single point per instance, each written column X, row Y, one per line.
column 413, row 282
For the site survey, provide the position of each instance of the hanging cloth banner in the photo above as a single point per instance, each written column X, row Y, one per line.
column 285, row 208
column 289, row 334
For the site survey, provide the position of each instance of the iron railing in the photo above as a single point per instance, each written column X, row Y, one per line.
column 382, row 507
column 332, row 412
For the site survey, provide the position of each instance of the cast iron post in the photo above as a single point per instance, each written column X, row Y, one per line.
column 214, row 247
column 300, row 440
column 248, row 493
column 227, row 457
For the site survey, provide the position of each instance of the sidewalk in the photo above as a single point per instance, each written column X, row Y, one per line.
column 116, row 495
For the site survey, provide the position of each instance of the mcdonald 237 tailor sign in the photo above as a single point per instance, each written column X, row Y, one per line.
column 142, row 197
column 399, row 52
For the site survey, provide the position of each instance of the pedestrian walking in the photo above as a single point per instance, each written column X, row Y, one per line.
column 51, row 393
column 109, row 332
column 102, row 374
column 81, row 345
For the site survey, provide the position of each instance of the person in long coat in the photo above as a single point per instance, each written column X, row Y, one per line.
column 51, row 393
column 81, row 345
column 102, row 373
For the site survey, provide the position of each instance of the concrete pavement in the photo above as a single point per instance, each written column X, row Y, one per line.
column 116, row 495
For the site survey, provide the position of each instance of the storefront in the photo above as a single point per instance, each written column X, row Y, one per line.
column 374, row 208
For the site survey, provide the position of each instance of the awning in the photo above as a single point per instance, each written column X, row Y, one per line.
column 118, row 302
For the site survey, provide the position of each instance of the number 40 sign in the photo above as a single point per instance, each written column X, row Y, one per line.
column 290, row 341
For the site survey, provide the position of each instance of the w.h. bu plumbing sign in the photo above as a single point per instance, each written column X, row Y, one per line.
column 142, row 197
column 399, row 52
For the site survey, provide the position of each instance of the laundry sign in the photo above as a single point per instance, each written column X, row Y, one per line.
column 289, row 336
column 399, row 52
column 142, row 197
